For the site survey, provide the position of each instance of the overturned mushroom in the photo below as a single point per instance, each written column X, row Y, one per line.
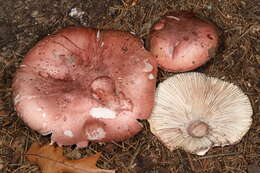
column 182, row 42
column 195, row 112
column 82, row 85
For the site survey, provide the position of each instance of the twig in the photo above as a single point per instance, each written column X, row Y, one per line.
column 218, row 155
column 184, row 164
column 135, row 155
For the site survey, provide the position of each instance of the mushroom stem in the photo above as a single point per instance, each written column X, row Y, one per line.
column 198, row 129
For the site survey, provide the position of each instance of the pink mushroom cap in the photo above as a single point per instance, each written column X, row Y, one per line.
column 82, row 85
column 181, row 42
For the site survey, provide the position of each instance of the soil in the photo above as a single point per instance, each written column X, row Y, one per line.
column 24, row 22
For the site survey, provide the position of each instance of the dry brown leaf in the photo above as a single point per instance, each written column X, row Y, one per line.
column 51, row 160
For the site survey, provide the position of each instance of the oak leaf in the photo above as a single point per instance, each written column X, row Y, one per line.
column 51, row 160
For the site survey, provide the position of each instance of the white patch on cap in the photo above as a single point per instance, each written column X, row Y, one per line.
column 96, row 134
column 44, row 115
column 101, row 112
column 176, row 44
column 147, row 66
column 68, row 133
column 170, row 51
column 102, row 44
column 151, row 76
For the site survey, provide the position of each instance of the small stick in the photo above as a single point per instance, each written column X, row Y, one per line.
column 218, row 155
column 135, row 155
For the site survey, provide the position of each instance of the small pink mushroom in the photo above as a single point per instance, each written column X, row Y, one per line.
column 83, row 85
column 182, row 42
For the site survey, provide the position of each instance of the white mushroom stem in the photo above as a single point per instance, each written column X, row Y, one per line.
column 198, row 129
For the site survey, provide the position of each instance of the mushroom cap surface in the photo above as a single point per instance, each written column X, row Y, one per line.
column 82, row 85
column 181, row 42
column 195, row 112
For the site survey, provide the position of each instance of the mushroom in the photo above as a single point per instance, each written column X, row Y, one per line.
column 82, row 85
column 195, row 112
column 182, row 42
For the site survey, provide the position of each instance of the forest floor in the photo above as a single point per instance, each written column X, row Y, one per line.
column 24, row 22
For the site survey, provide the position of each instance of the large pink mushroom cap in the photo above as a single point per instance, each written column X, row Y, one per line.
column 82, row 85
column 181, row 42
